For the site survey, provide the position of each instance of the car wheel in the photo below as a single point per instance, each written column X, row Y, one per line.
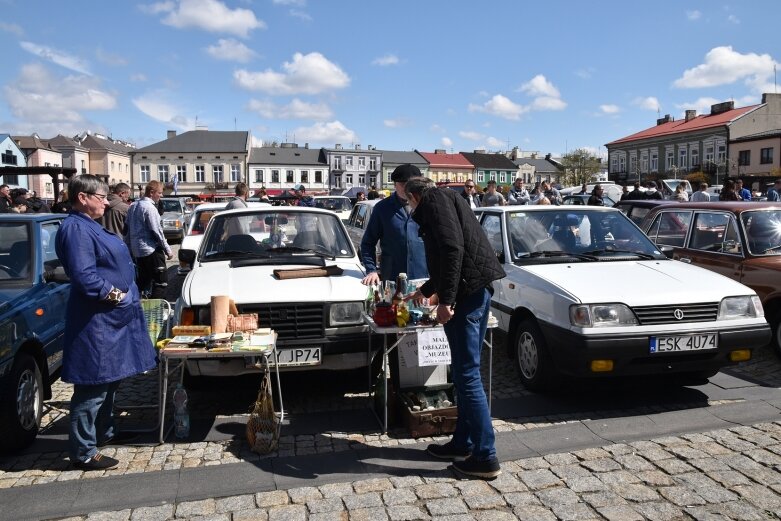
column 775, row 327
column 532, row 359
column 22, row 404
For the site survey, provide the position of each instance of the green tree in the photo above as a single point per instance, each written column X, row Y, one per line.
column 580, row 166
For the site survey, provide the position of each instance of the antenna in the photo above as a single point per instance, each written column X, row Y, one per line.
column 775, row 84
column 234, row 122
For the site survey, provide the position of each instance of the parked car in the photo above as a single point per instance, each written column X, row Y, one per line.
column 357, row 222
column 174, row 213
column 33, row 295
column 336, row 203
column 740, row 240
column 561, row 319
column 195, row 227
column 318, row 320
column 582, row 199
column 637, row 209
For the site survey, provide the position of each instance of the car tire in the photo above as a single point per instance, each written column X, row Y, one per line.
column 775, row 329
column 532, row 358
column 22, row 404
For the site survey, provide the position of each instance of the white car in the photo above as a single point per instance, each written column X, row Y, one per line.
column 195, row 226
column 561, row 319
column 318, row 320
column 338, row 204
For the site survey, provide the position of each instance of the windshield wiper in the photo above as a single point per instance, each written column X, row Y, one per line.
column 555, row 253
column 296, row 249
column 640, row 254
column 230, row 254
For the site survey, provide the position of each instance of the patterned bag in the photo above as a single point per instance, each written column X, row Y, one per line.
column 263, row 424
column 245, row 322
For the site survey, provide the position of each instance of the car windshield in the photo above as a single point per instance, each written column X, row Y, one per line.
column 763, row 231
column 265, row 234
column 15, row 252
column 171, row 205
column 577, row 233
column 335, row 204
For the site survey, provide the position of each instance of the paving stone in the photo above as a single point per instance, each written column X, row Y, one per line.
column 372, row 485
column 399, row 496
column 368, row 514
column 301, row 495
column 158, row 513
column 681, row 496
column 570, row 471
column 634, row 462
column 213, row 517
column 435, row 490
column 228, row 504
column 655, row 478
column 485, row 501
column 635, row 492
column 120, row 515
column 494, row 515
column 618, row 477
column 729, row 478
column 713, row 448
column 687, row 453
column 317, row 506
column 406, row 481
column 708, row 489
column 659, row 511
column 591, row 454
column 734, row 510
column 603, row 499
column 533, row 513
column 515, row 499
column 556, row 496
column 620, row 513
column 469, row 488
column 673, row 466
column 287, row 513
column 332, row 490
column 330, row 516
column 196, row 508
column 406, row 513
column 761, row 497
column 533, row 463
column 252, row 514
column 272, row 498
column 709, row 465
column 538, row 479
column 585, row 484
column 618, row 449
column 561, row 459
column 601, row 465
column 368, row 500
column 573, row 511
column 446, row 506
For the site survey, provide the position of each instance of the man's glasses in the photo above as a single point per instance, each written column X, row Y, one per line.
column 102, row 197
column 470, row 186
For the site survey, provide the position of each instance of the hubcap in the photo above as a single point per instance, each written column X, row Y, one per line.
column 27, row 403
column 528, row 356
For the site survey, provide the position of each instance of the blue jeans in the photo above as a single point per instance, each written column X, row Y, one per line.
column 465, row 333
column 91, row 417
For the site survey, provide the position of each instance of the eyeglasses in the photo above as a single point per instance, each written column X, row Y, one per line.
column 470, row 186
column 101, row 197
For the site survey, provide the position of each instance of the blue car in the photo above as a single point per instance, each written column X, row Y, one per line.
column 34, row 291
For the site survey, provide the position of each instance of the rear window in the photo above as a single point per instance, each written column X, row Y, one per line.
column 670, row 228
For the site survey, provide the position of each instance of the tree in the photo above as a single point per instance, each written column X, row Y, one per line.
column 580, row 166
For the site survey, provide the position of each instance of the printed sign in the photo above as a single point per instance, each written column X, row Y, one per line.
column 433, row 348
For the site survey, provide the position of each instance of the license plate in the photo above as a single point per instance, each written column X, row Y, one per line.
column 299, row 356
column 672, row 344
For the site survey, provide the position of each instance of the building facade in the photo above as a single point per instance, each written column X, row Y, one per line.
column 39, row 152
column 12, row 156
column 351, row 167
column 109, row 158
column 536, row 170
column 492, row 167
column 394, row 158
column 73, row 154
column 282, row 167
column 444, row 167
column 757, row 155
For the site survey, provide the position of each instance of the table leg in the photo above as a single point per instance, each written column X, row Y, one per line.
column 163, row 397
column 385, row 382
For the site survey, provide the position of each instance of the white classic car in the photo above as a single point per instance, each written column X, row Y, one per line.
column 338, row 204
column 318, row 320
column 561, row 319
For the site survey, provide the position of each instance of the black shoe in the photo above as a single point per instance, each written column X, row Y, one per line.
column 473, row 468
column 448, row 451
column 97, row 462
column 120, row 438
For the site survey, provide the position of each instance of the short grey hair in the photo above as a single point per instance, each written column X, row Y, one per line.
column 121, row 187
column 85, row 183
column 418, row 185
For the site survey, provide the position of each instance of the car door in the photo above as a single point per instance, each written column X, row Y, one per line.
column 359, row 218
column 491, row 223
column 670, row 228
column 52, row 307
column 714, row 244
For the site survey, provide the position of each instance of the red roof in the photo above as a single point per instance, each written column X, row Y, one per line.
column 681, row 126
column 446, row 160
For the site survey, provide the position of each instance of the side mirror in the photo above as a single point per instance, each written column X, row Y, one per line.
column 667, row 251
column 187, row 256
column 271, row 220
column 56, row 275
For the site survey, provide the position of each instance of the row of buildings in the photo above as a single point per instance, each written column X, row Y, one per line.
column 727, row 141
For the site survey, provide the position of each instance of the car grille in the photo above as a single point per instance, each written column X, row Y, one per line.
column 291, row 321
column 651, row 315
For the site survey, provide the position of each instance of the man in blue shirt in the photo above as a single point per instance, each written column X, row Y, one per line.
column 774, row 194
column 743, row 193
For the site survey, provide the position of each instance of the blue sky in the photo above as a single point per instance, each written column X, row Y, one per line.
column 547, row 76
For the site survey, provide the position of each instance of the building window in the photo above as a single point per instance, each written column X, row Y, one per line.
column 181, row 173
column 480, row 176
column 275, row 176
column 318, row 176
column 217, row 173
column 670, row 160
column 695, row 158
column 766, row 156
column 145, row 174
column 258, row 176
column 200, row 176
column 290, row 177
column 162, row 173
column 348, row 179
column 337, row 162
column 621, row 165
column 708, row 155
column 112, row 166
column 337, row 181
column 9, row 158
column 682, row 158
column 633, row 165
column 492, row 176
column 744, row 158
column 361, row 180
column 361, row 161
column 388, row 179
column 305, row 176
column 348, row 161
column 644, row 163
column 83, row 167
column 721, row 155
column 235, row 173
column 614, row 164
column 372, row 163
column 654, row 162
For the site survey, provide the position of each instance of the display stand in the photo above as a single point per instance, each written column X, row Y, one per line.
column 261, row 359
column 401, row 332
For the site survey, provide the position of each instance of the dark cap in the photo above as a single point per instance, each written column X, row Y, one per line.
column 20, row 199
column 299, row 188
column 652, row 184
column 21, row 191
column 402, row 173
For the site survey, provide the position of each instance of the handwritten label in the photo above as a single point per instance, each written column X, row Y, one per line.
column 433, row 348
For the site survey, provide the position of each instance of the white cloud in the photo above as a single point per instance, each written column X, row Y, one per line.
column 11, row 28
column 384, row 61
column 693, row 15
column 155, row 104
column 585, row 73
column 110, row 58
column 471, row 135
column 209, row 15
column 540, row 86
column 229, row 49
column 548, row 103
column 138, row 77
column 397, row 123
column 326, row 133
column 303, row 15
column 733, row 19
column 48, row 104
column 296, row 109
column 647, row 103
column 500, row 106
column 299, row 3
column 610, row 109
column 595, row 151
column 307, row 74
column 724, row 66
column 495, row 143
column 447, row 142
column 437, row 128
column 702, row 105
column 58, row 57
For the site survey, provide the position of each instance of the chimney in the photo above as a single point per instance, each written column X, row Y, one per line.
column 665, row 119
column 691, row 114
column 547, row 156
column 357, row 147
column 718, row 108
column 338, row 146
column 171, row 133
column 440, row 151
column 479, row 151
column 766, row 97
column 306, row 146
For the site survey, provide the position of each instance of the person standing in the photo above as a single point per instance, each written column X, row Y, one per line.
column 62, row 205
column 301, row 198
column 551, row 193
column 238, row 225
column 470, row 194
column 652, row 192
column 147, row 242
column 680, row 194
column 635, row 195
column 701, row 196
column 462, row 265
column 518, row 193
column 6, row 203
column 106, row 336
column 729, row 191
column 115, row 215
column 774, row 194
column 491, row 197
column 742, row 193
column 596, row 196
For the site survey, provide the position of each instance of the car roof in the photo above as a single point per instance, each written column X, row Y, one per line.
column 330, row 197
column 278, row 209
column 730, row 206
column 649, row 203
column 31, row 216
column 545, row 208
column 368, row 202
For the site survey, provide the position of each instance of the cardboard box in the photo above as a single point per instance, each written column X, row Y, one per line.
column 429, row 422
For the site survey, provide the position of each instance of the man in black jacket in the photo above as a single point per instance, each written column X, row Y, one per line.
column 462, row 265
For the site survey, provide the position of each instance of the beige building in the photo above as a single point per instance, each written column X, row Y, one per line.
column 73, row 154
column 39, row 152
column 107, row 157
column 757, row 154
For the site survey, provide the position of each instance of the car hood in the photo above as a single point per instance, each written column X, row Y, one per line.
column 257, row 284
column 11, row 298
column 171, row 215
column 638, row 283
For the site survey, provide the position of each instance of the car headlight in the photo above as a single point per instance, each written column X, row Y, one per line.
column 602, row 315
column 173, row 223
column 346, row 313
column 741, row 307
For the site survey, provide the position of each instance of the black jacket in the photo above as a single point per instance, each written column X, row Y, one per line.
column 460, row 259
column 475, row 197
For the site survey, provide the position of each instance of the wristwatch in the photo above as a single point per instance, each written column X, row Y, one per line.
column 114, row 296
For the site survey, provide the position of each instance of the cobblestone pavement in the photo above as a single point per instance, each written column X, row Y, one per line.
column 722, row 474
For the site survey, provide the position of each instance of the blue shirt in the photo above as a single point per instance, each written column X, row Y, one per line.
column 402, row 249
column 145, row 229
column 745, row 194
column 773, row 195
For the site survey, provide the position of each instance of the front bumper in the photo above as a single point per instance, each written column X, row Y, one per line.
column 572, row 352
column 173, row 233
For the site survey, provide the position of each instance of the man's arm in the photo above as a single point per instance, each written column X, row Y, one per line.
column 371, row 236
column 152, row 220
column 447, row 235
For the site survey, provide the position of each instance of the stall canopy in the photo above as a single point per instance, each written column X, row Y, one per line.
column 56, row 172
